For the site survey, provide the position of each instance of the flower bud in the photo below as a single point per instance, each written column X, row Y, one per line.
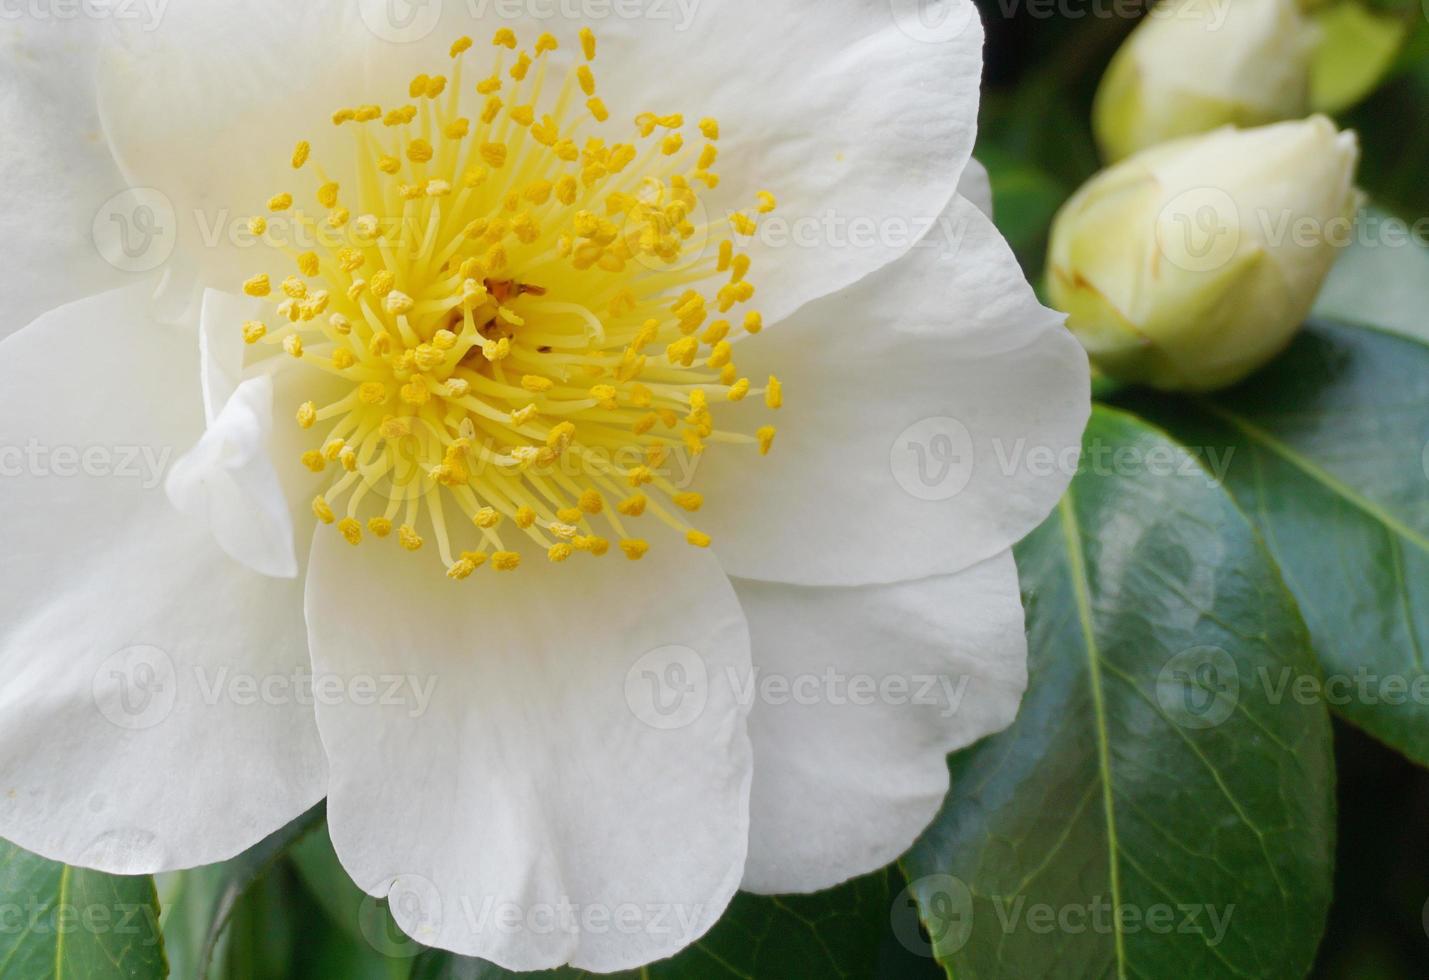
column 1194, row 65
column 1193, row 263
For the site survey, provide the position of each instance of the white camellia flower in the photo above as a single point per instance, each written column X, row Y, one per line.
column 466, row 362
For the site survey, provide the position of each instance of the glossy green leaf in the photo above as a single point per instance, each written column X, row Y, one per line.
column 831, row 935
column 199, row 904
column 1155, row 810
column 1327, row 449
column 63, row 923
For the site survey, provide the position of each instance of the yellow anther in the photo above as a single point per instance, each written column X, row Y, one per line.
column 633, row 506
column 591, row 502
column 774, row 393
column 494, row 154
column 525, row 517
column 350, row 529
column 372, row 393
column 394, row 428
column 587, row 43
column 689, row 501
column 569, row 515
column 300, row 153
column 308, row 263
column 739, row 268
column 307, row 415
column 257, row 226
column 461, row 569
column 418, row 85
column 381, row 283
column 380, row 526
column 559, row 551
column 486, row 518
column 258, row 285
column 698, row 538
column 639, row 476
column 342, row 359
column 523, row 115
column 367, row 113
column 753, row 321
column 314, row 460
column 409, row 538
column 388, row 165
column 398, row 303
column 536, row 384
column 293, row 345
column 721, row 354
column 743, row 223
column 767, row 202
column 560, row 436
column 280, row 202
column 672, row 144
column 341, row 116
column 436, row 85
column 461, row 44
column 253, row 331
column 322, row 511
column 634, row 548
column 709, row 128
column 294, row 287
column 683, row 351
column 505, row 561
column 586, row 79
column 505, row 38
column 738, row 390
column 605, row 396
column 765, row 435
column 546, row 42
column 419, row 151
column 521, row 67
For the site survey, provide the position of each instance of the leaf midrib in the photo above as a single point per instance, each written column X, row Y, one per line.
column 1081, row 590
column 1320, row 475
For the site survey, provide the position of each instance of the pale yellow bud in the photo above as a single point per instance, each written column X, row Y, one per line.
column 1193, row 263
column 1194, row 65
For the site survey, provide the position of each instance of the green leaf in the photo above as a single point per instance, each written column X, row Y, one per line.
column 63, row 923
column 833, row 934
column 1381, row 277
column 1328, row 451
column 200, row 903
column 1154, row 811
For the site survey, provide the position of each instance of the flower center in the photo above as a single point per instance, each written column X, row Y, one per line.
column 530, row 320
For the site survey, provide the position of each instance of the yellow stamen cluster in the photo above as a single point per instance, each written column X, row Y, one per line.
column 534, row 316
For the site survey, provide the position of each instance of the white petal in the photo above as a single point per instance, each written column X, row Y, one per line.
column 932, row 417
column 57, row 167
column 203, row 109
column 542, row 773
column 976, row 186
column 127, row 740
column 861, row 693
column 227, row 482
column 859, row 117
